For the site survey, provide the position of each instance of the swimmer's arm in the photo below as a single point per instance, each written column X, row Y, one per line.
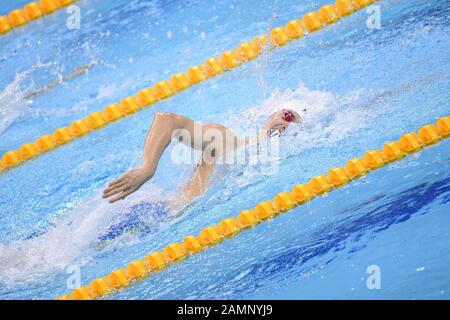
column 195, row 187
column 157, row 140
column 164, row 127
column 198, row 182
column 212, row 149
column 79, row 71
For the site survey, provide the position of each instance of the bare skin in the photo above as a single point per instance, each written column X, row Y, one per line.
column 77, row 72
column 212, row 139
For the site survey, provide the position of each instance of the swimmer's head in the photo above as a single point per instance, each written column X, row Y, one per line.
column 279, row 121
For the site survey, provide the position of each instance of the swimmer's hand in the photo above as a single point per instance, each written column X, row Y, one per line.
column 131, row 181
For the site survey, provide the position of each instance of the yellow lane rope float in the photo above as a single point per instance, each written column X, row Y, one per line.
column 30, row 12
column 228, row 60
column 283, row 201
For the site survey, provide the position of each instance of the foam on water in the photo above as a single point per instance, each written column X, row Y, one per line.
column 20, row 94
column 74, row 238
column 12, row 101
column 326, row 120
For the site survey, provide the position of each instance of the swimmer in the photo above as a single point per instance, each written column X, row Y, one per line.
column 77, row 72
column 212, row 139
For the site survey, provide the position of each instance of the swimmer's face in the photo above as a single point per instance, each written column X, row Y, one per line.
column 280, row 121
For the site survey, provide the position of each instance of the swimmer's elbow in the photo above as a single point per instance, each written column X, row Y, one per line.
column 163, row 119
column 172, row 120
column 164, row 116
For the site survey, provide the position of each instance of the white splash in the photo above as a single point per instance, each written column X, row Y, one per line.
column 72, row 240
column 12, row 100
column 326, row 120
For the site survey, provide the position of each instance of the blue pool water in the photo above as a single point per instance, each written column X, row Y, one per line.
column 361, row 87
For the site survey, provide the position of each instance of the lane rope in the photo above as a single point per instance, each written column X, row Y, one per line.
column 30, row 12
column 245, row 52
column 176, row 252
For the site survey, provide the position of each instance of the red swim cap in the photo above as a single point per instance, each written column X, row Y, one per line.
column 288, row 116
